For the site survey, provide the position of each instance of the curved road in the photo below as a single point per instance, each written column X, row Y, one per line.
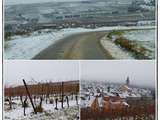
column 78, row 46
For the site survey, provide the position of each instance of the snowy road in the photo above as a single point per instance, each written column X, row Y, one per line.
column 79, row 46
column 41, row 44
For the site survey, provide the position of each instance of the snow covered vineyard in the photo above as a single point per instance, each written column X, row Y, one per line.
column 43, row 101
column 102, row 100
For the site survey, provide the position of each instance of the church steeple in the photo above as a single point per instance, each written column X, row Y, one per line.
column 127, row 81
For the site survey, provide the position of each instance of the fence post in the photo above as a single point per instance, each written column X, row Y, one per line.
column 25, row 105
column 10, row 102
column 67, row 99
column 62, row 93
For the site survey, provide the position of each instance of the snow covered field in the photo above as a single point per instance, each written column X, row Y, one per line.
column 15, row 2
column 144, row 38
column 49, row 113
column 141, row 35
column 26, row 47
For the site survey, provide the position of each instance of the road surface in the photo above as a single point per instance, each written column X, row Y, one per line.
column 78, row 46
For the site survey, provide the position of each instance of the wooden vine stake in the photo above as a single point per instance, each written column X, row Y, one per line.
column 29, row 96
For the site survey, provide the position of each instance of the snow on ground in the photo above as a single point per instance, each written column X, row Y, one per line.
column 15, row 2
column 115, row 51
column 147, row 7
column 141, row 35
column 146, row 38
column 49, row 112
column 26, row 47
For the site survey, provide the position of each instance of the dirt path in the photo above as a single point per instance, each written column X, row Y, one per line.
column 79, row 46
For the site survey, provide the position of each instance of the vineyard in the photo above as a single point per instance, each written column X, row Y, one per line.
column 49, row 100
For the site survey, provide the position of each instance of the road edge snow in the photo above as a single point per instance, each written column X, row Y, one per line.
column 115, row 51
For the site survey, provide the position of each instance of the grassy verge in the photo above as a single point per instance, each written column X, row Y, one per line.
column 114, row 33
column 138, row 50
column 8, row 35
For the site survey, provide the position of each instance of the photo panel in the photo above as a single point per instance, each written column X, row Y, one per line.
column 79, row 29
column 118, row 90
column 45, row 89
column 79, row 59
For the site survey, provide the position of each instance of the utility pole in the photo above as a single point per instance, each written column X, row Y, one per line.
column 29, row 96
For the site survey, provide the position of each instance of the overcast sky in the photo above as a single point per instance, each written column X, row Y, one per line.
column 15, row 71
column 13, row 2
column 140, row 72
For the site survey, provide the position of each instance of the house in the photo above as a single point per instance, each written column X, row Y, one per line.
column 95, row 105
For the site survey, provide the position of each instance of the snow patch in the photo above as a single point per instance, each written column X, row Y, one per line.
column 49, row 113
column 141, row 35
column 115, row 51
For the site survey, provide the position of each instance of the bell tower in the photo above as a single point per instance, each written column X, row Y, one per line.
column 127, row 81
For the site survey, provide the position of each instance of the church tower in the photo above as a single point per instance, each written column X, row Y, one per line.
column 127, row 81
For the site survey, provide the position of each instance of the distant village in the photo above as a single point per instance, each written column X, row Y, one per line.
column 113, row 101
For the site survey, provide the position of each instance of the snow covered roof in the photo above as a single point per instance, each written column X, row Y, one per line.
column 124, row 88
column 100, row 101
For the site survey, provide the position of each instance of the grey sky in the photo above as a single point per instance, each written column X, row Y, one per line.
column 15, row 71
column 140, row 72
column 13, row 2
